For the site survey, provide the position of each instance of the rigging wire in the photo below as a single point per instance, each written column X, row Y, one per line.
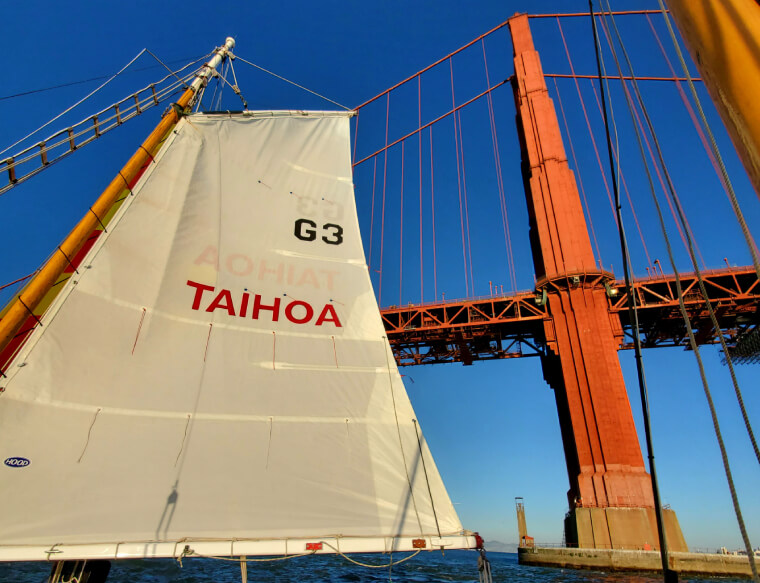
column 687, row 104
column 160, row 62
column 660, row 179
column 98, row 129
column 222, row 79
column 689, row 329
column 687, row 226
column 702, row 287
column 292, row 83
column 235, row 88
column 78, row 103
column 668, row 574
column 91, row 79
column 161, row 94
column 716, row 151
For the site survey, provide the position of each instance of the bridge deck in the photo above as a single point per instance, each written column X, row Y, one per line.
column 510, row 326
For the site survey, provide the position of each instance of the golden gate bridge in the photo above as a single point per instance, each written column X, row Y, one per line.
column 427, row 177
column 437, row 176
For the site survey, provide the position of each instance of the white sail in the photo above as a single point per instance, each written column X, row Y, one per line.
column 215, row 379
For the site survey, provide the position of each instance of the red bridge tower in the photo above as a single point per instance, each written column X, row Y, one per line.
column 610, row 496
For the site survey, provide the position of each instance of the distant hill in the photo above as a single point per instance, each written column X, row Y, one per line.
column 500, row 547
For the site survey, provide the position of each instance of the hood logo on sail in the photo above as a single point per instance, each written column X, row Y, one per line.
column 295, row 311
column 17, row 462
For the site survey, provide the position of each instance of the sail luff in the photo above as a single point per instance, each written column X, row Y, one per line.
column 24, row 305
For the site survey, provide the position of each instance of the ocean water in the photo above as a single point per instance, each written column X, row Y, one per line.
column 429, row 567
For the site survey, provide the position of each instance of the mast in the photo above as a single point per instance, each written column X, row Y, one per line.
column 24, row 305
column 722, row 37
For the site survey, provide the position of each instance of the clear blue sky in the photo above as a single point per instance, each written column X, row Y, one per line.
column 492, row 427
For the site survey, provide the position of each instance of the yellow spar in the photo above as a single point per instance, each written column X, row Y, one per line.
column 48, row 275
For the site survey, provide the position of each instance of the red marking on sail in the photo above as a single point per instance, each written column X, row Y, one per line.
column 139, row 327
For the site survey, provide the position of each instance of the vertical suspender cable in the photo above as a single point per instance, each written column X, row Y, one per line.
column 356, row 135
column 669, row 575
column 499, row 176
column 432, row 211
column 459, row 178
column 382, row 211
column 372, row 217
column 588, row 123
column 419, row 158
column 577, row 171
column 401, row 229
column 622, row 179
column 660, row 179
column 466, row 208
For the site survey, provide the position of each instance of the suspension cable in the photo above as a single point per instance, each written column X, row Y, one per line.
column 401, row 230
column 692, row 339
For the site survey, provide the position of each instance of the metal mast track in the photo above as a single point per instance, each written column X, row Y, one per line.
column 23, row 307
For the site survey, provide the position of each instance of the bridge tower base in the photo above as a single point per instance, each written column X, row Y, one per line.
column 621, row 528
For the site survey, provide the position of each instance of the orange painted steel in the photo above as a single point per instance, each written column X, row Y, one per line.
column 20, row 310
column 604, row 461
column 511, row 326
